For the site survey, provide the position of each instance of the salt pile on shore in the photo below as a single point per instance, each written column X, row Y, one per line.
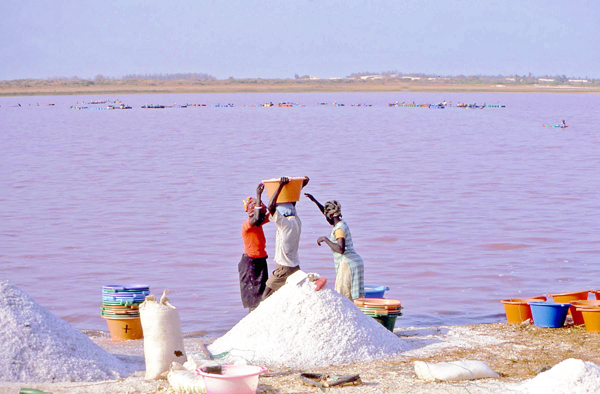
column 300, row 327
column 570, row 376
column 37, row 346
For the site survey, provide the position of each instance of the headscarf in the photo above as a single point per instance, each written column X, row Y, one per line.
column 332, row 209
column 250, row 204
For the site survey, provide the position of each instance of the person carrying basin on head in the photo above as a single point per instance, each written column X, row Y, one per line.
column 287, row 239
column 349, row 266
column 252, row 268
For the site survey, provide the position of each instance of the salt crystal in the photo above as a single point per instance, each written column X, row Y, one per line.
column 38, row 346
column 300, row 327
column 569, row 376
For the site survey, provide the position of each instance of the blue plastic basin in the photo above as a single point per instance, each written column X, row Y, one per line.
column 372, row 291
column 549, row 314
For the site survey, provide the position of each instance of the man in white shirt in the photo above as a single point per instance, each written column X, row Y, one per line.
column 287, row 239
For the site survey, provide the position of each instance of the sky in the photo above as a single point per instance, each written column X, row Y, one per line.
column 278, row 39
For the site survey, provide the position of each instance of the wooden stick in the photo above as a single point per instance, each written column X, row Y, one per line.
column 205, row 350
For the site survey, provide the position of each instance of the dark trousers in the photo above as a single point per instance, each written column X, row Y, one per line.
column 253, row 278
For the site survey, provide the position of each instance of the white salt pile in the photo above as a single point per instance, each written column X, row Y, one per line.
column 299, row 327
column 570, row 376
column 37, row 346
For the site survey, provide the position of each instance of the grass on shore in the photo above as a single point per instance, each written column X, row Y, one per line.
column 40, row 88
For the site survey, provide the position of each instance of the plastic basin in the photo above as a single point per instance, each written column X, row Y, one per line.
column 388, row 321
column 384, row 310
column 290, row 192
column 549, row 314
column 124, row 328
column 591, row 317
column 129, row 288
column 570, row 296
column 235, row 379
column 518, row 310
column 378, row 303
column 576, row 307
column 372, row 291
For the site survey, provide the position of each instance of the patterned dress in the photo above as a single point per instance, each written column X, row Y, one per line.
column 353, row 261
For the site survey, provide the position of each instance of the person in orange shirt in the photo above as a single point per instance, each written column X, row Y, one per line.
column 252, row 268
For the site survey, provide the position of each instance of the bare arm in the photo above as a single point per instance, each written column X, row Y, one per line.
column 318, row 204
column 282, row 182
column 259, row 216
column 339, row 247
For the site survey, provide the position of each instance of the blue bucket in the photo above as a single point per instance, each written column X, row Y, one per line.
column 549, row 314
column 375, row 291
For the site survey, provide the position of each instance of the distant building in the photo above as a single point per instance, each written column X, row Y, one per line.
column 511, row 79
column 365, row 77
column 546, row 79
column 578, row 80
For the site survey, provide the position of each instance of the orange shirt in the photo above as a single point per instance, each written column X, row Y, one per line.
column 254, row 240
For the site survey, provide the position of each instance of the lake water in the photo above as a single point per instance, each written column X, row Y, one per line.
column 453, row 209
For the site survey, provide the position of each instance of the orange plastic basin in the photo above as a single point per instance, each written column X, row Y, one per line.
column 378, row 303
column 571, row 296
column 581, row 304
column 124, row 328
column 591, row 317
column 290, row 192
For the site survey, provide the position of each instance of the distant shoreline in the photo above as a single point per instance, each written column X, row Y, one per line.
column 179, row 87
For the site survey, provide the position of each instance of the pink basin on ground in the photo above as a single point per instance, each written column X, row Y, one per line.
column 235, row 379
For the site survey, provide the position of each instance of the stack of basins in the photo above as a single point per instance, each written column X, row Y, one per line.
column 384, row 310
column 120, row 308
column 583, row 310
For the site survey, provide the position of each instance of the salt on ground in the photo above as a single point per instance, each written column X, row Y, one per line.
column 300, row 327
column 569, row 376
column 37, row 346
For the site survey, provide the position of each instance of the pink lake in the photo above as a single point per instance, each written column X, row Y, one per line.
column 453, row 209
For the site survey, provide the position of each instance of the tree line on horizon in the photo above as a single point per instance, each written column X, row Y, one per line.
column 364, row 75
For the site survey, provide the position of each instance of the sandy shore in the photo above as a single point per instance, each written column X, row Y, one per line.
column 45, row 88
column 516, row 352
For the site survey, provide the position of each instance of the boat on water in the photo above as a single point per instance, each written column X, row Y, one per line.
column 288, row 104
column 561, row 126
column 107, row 108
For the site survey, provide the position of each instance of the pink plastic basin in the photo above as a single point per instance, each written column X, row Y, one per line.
column 236, row 379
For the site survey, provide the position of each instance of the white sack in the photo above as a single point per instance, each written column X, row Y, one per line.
column 163, row 339
column 456, row 370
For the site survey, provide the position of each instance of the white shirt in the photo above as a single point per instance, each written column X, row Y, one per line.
column 287, row 239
